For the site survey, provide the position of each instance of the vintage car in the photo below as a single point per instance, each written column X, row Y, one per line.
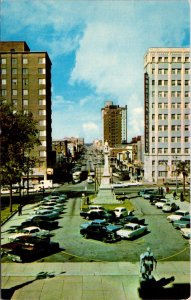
column 51, row 215
column 40, row 222
column 131, row 219
column 142, row 192
column 32, row 231
column 101, row 214
column 161, row 202
column 186, row 232
column 121, row 212
column 182, row 223
column 155, row 198
column 132, row 230
column 170, row 207
column 101, row 232
column 28, row 248
column 177, row 215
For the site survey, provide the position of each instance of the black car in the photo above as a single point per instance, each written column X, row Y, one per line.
column 155, row 198
column 101, row 214
column 101, row 232
column 27, row 248
column 131, row 219
column 43, row 224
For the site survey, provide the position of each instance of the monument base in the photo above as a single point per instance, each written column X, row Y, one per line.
column 105, row 196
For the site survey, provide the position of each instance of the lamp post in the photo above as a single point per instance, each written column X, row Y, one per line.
column 176, row 177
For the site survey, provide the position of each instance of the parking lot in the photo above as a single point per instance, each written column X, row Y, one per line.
column 165, row 241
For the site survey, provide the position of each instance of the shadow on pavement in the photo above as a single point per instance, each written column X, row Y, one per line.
column 152, row 289
column 6, row 294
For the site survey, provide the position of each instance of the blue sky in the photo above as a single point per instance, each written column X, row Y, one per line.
column 97, row 49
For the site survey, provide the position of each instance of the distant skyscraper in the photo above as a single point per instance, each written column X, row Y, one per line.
column 26, row 84
column 167, row 111
column 114, row 120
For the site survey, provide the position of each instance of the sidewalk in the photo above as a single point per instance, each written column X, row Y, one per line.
column 95, row 281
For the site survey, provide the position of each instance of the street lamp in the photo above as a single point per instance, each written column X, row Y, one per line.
column 176, row 177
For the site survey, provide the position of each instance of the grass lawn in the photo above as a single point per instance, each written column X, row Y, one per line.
column 5, row 212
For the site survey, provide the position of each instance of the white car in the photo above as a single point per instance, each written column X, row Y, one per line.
column 186, row 232
column 6, row 191
column 177, row 215
column 131, row 230
column 161, row 203
column 120, row 212
column 90, row 180
column 32, row 230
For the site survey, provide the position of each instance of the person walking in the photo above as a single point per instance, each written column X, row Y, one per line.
column 20, row 210
column 147, row 262
column 181, row 197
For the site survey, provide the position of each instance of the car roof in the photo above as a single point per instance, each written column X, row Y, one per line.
column 30, row 228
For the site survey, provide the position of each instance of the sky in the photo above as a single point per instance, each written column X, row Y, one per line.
column 97, row 49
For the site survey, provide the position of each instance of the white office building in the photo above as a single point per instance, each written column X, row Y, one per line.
column 167, row 111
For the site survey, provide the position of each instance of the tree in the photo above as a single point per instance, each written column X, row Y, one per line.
column 19, row 136
column 184, row 169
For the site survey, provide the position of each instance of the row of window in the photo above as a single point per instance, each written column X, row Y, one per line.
column 25, row 92
column 173, row 82
column 171, row 105
column 175, row 94
column 172, row 116
column 25, row 61
column 171, row 71
column 165, row 162
column 172, row 150
column 169, row 59
column 25, row 71
column 173, row 139
column 172, row 127
column 41, row 112
column 26, row 102
column 25, row 81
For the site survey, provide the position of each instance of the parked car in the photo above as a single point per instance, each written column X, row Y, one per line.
column 131, row 230
column 170, row 207
column 96, row 221
column 130, row 219
column 101, row 214
column 51, row 215
column 182, row 223
column 28, row 248
column 149, row 194
column 90, row 180
column 161, row 203
column 146, row 191
column 84, row 212
column 6, row 191
column 155, row 198
column 177, row 215
column 43, row 224
column 186, row 232
column 51, row 208
column 100, row 232
column 120, row 212
column 32, row 231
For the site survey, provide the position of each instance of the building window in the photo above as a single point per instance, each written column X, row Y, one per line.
column 153, row 94
column 159, row 82
column 186, row 117
column 165, row 127
column 153, row 162
column 25, row 102
column 165, row 59
column 186, row 150
column 173, row 105
column 42, row 123
column 153, row 116
column 173, row 71
column 160, row 94
column 3, row 81
column 42, row 102
column 178, row 150
column 25, row 71
column 165, row 139
column 160, row 116
column 14, row 71
column 153, row 71
column 160, row 139
column 42, row 112
column 25, row 92
column 14, row 102
column 173, row 139
column 178, row 82
column 14, row 81
column 178, row 116
column 153, row 82
column 159, row 71
column 25, row 81
column 153, row 139
column 186, row 127
column 173, row 127
column 178, row 139
column 14, row 61
column 178, row 71
column 160, row 59
column 42, row 92
column 43, row 143
column 173, row 150
column 186, row 105
column 165, row 94
column 186, row 139
column 153, row 59
column 3, row 71
column 153, row 150
column 187, row 59
column 42, row 133
column 165, row 116
column 165, row 150
column 178, row 94
column 187, row 82
column 42, row 81
column 179, row 59
column 41, row 60
column 186, row 94
column 153, row 105
column 173, row 94
column 173, row 82
column 165, row 105
column 160, row 128
column 178, row 128
column 25, row 61
column 173, row 116
column 160, row 150
column 3, row 61
column 187, row 71
column 3, row 92
column 41, row 71
column 42, row 153
column 153, row 127
column 14, row 92
column 159, row 105
column 165, row 82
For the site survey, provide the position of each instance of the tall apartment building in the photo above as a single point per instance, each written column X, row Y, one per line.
column 167, row 111
column 114, row 120
column 26, row 84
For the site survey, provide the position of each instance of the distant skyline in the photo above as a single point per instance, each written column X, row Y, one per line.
column 97, row 50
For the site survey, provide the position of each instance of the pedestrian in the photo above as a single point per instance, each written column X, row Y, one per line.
column 88, row 201
column 181, row 197
column 162, row 191
column 147, row 261
column 174, row 195
column 20, row 210
column 167, row 189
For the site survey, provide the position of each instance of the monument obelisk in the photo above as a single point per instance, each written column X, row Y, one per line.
column 105, row 194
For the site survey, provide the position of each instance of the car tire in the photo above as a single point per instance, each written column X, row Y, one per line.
column 86, row 236
column 104, row 239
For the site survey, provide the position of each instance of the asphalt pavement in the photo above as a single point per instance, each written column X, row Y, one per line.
column 92, row 280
